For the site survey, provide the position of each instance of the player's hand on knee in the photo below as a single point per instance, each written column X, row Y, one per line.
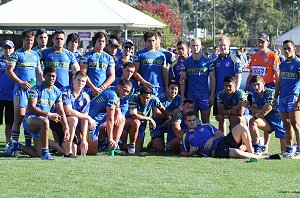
column 92, row 123
column 54, row 116
column 152, row 123
column 208, row 144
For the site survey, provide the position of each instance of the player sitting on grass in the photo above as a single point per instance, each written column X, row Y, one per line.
column 76, row 106
column 206, row 140
column 264, row 117
column 178, row 127
column 231, row 104
column 171, row 101
column 42, row 97
column 105, row 110
column 140, row 106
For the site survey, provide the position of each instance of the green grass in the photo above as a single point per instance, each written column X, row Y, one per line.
column 148, row 175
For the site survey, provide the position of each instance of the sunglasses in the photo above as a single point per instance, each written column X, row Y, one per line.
column 128, row 47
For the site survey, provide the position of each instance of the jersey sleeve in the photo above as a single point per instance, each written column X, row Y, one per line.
column 133, row 102
column 65, row 98
column 242, row 96
column 13, row 58
column 270, row 96
column 33, row 92
column 72, row 58
column 157, row 102
column 111, row 63
column 112, row 101
column 59, row 97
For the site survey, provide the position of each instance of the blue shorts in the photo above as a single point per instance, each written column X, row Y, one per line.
column 277, row 126
column 224, row 146
column 159, row 131
column 171, row 135
column 26, row 126
column 101, row 118
column 287, row 104
column 142, row 129
column 21, row 98
column 201, row 102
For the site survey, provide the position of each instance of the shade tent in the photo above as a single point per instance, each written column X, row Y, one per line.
column 73, row 14
column 293, row 34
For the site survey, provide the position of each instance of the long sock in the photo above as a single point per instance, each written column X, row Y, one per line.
column 28, row 138
column 15, row 135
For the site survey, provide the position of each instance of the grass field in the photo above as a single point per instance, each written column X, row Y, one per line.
column 147, row 175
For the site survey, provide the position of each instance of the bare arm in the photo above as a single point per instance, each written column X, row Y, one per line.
column 139, row 78
column 238, row 77
column 110, row 113
column 212, row 77
column 11, row 74
column 183, row 78
column 111, row 77
column 165, row 73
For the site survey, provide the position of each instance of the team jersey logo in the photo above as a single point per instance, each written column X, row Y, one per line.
column 227, row 64
column 266, row 60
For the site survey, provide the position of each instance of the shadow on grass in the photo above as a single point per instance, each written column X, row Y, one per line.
column 289, row 192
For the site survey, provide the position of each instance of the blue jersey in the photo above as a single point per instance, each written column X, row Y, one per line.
column 167, row 54
column 290, row 78
column 79, row 103
column 175, row 69
column 119, row 65
column 25, row 63
column 45, row 97
column 226, row 66
column 151, row 64
column 170, row 105
column 198, row 138
column 144, row 110
column 6, row 84
column 98, row 64
column 38, row 50
column 231, row 101
column 197, row 72
column 78, row 56
column 61, row 61
column 124, row 102
column 106, row 99
column 213, row 56
column 267, row 98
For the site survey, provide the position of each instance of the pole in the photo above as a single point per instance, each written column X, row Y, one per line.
column 214, row 22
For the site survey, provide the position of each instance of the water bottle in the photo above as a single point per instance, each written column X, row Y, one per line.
column 31, row 82
column 111, row 151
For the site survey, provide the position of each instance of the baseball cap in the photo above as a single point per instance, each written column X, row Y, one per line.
column 9, row 43
column 128, row 41
column 263, row 36
column 113, row 42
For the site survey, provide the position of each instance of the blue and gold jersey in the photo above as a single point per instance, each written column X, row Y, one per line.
column 79, row 103
column 107, row 99
column 61, row 61
column 98, row 64
column 198, row 138
column 119, row 65
column 6, row 84
column 231, row 101
column 175, row 69
column 170, row 105
column 78, row 56
column 197, row 72
column 25, row 63
column 144, row 110
column 46, row 97
column 151, row 64
column 226, row 66
column 167, row 54
column 290, row 78
column 259, row 101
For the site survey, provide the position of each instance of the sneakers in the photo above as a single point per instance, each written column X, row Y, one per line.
column 264, row 149
column 258, row 149
column 131, row 149
column 296, row 155
column 287, row 154
column 47, row 157
column 10, row 148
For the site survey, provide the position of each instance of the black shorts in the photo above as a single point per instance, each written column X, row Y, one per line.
column 9, row 111
column 56, row 127
column 215, row 108
column 223, row 148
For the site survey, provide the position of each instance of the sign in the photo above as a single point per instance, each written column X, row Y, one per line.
column 85, row 36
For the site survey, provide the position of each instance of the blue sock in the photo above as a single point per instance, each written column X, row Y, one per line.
column 298, row 150
column 45, row 151
column 15, row 135
column 257, row 145
column 28, row 138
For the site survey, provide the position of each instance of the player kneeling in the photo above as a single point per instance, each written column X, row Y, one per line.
column 105, row 110
column 208, row 141
column 41, row 99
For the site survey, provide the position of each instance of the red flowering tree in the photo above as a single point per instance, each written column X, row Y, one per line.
column 164, row 13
